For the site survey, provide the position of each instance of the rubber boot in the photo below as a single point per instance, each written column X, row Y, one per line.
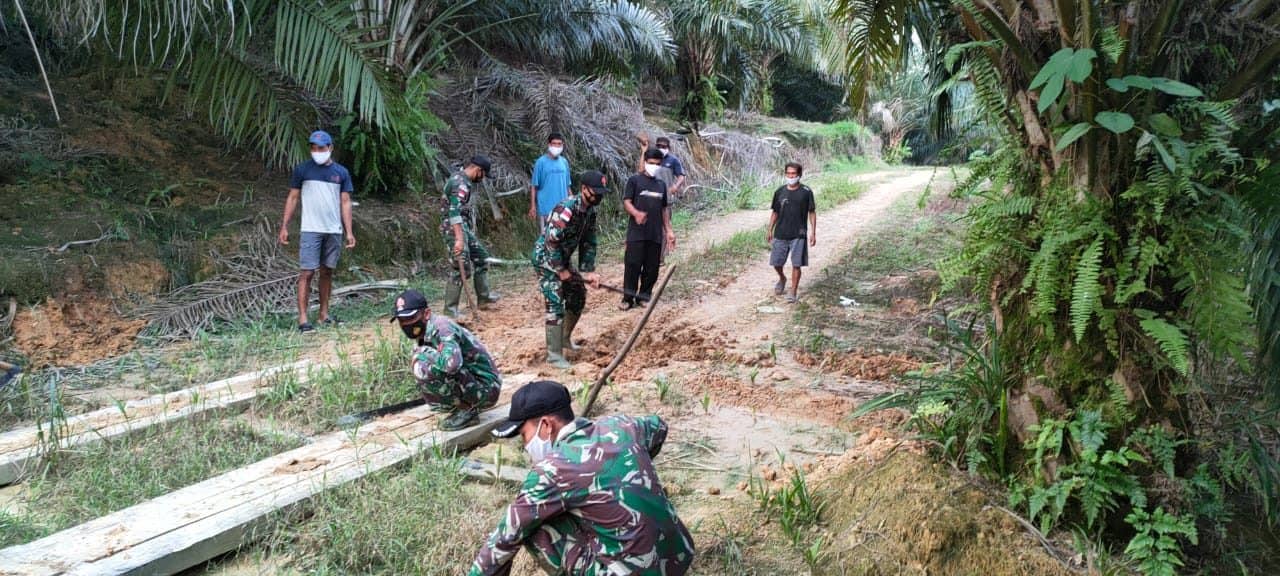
column 483, row 294
column 555, row 347
column 452, row 294
column 570, row 321
column 459, row 419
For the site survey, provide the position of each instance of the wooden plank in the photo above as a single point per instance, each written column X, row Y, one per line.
column 20, row 448
column 199, row 522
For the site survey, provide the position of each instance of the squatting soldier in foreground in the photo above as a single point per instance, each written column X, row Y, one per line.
column 458, row 228
column 454, row 371
column 570, row 226
column 592, row 505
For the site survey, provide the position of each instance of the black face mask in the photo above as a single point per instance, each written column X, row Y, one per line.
column 594, row 200
column 415, row 331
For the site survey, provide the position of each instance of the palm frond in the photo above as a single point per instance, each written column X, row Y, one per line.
column 248, row 103
column 874, row 35
column 319, row 46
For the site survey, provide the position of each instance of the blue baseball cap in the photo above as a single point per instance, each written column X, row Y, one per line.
column 320, row 138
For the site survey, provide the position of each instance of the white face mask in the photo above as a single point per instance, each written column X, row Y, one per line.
column 537, row 447
column 321, row 157
column 555, row 150
column 664, row 151
column 793, row 181
column 651, row 169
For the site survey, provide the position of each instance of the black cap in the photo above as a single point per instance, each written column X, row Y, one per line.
column 482, row 161
column 408, row 303
column 596, row 180
column 534, row 400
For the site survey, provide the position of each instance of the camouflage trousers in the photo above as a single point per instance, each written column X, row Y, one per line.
column 474, row 255
column 561, row 296
column 563, row 546
column 466, row 389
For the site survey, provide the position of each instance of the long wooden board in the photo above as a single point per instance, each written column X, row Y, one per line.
column 21, row 448
column 192, row 525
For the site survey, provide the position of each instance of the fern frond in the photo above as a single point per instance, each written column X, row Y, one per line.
column 1087, row 289
column 1172, row 341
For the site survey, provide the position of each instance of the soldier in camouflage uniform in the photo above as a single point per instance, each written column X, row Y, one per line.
column 457, row 226
column 592, row 505
column 570, row 226
column 454, row 370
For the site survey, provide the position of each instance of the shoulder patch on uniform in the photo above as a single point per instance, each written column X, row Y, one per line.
column 560, row 217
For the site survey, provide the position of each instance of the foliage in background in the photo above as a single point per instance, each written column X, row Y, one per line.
column 1108, row 235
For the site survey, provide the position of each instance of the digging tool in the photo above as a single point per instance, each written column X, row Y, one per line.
column 635, row 333
column 11, row 371
column 628, row 293
column 468, row 292
column 361, row 417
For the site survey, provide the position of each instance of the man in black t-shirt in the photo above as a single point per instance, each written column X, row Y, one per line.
column 794, row 216
column 645, row 199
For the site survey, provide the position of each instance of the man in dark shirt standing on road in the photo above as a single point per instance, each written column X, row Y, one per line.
column 645, row 199
column 795, row 216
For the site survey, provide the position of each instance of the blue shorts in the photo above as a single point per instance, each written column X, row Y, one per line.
column 798, row 249
column 317, row 249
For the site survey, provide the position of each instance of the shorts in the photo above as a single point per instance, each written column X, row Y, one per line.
column 318, row 249
column 797, row 248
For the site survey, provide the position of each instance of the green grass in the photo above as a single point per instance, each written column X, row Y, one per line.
column 380, row 377
column 842, row 129
column 421, row 520
column 107, row 477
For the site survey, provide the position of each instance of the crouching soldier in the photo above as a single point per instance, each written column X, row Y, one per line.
column 454, row 371
column 570, row 226
column 592, row 505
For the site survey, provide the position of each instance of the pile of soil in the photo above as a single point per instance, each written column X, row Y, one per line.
column 861, row 365
column 890, row 509
column 73, row 332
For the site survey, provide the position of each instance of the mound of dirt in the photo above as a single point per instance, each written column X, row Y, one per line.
column 879, row 367
column 72, row 333
column 890, row 509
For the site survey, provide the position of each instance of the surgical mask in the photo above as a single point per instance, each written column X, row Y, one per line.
column 555, row 150
column 664, row 151
column 321, row 158
column 651, row 169
column 793, row 181
column 538, row 448
column 415, row 331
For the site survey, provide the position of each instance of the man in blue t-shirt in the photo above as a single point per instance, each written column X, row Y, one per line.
column 550, row 182
column 323, row 187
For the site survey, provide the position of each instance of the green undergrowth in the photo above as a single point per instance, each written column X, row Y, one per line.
column 74, row 487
